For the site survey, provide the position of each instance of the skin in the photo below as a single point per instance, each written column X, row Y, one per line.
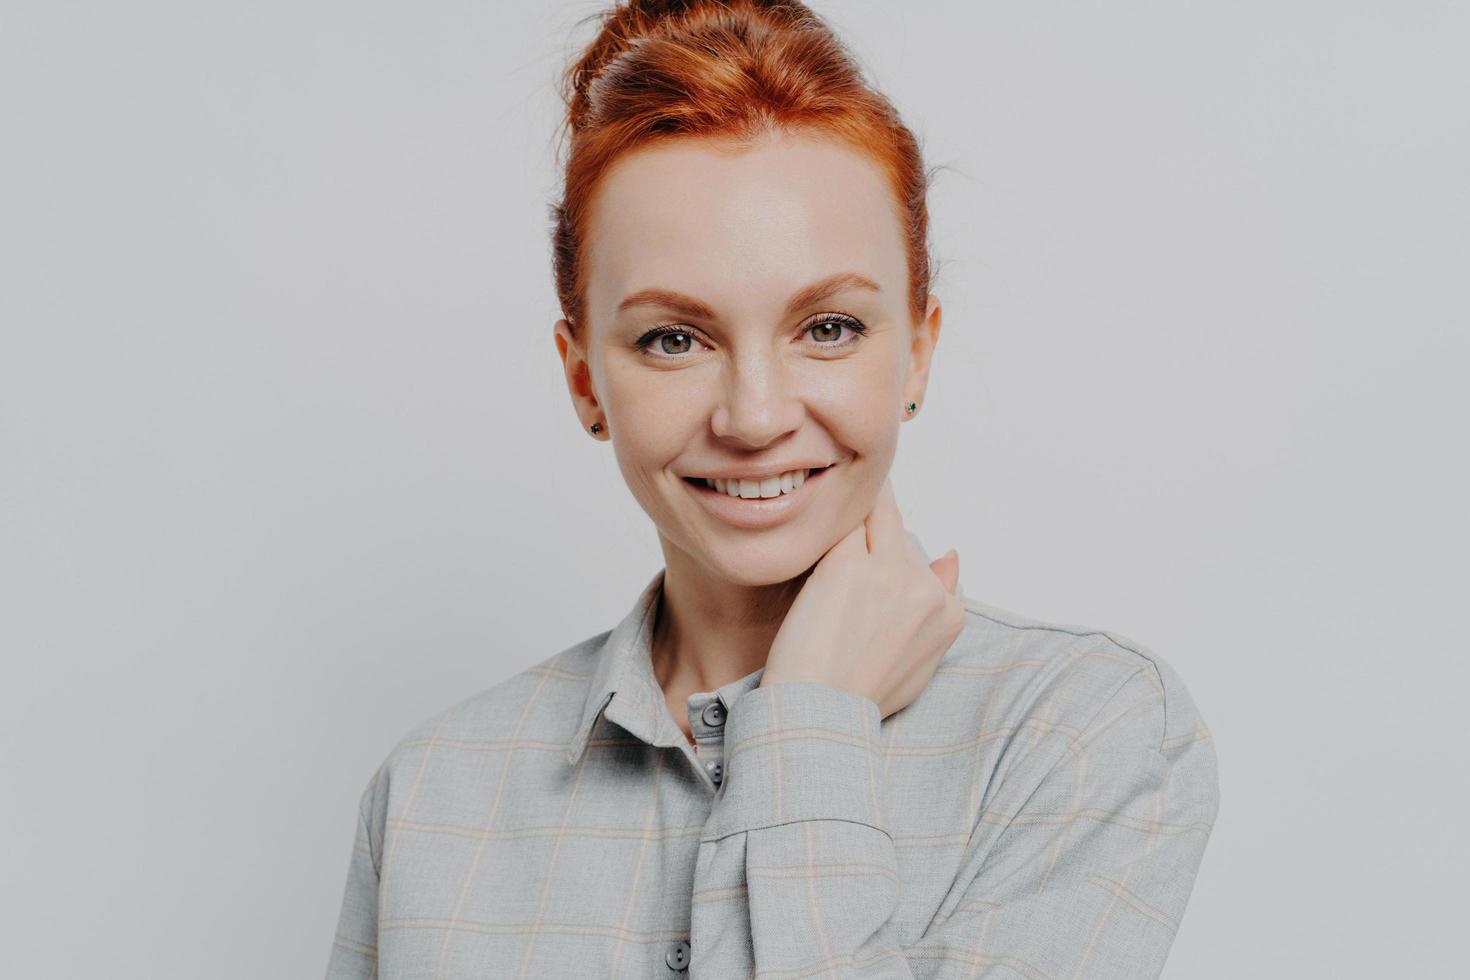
column 742, row 231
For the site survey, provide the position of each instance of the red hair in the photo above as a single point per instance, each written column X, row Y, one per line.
column 732, row 71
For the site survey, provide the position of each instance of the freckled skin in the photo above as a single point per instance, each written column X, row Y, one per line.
column 742, row 231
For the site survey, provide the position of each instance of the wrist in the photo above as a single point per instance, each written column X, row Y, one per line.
column 801, row 751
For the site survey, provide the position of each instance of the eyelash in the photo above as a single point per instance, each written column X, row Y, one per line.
column 855, row 327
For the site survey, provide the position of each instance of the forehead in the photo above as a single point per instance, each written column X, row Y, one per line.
column 741, row 229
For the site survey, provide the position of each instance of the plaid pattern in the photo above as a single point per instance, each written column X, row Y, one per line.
column 1038, row 812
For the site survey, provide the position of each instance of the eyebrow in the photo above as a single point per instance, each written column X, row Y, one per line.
column 688, row 306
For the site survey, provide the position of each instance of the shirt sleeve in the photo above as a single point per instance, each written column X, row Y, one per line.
column 1089, row 877
column 354, row 953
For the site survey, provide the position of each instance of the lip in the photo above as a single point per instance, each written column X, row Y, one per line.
column 746, row 473
column 761, row 512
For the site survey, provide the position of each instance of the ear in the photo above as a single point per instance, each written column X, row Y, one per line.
column 578, row 374
column 921, row 353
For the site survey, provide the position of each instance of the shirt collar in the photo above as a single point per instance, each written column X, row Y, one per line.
column 613, row 676
column 624, row 687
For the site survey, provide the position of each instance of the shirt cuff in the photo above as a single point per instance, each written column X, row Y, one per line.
column 800, row 751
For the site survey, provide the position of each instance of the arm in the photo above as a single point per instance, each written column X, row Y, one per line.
column 1088, row 879
column 355, row 948
column 1091, row 875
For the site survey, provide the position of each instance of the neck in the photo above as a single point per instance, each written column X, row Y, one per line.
column 709, row 631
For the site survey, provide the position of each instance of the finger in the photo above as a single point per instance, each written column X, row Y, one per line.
column 854, row 542
column 915, row 548
column 947, row 567
column 885, row 523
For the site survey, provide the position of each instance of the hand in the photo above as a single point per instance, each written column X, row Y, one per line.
column 872, row 617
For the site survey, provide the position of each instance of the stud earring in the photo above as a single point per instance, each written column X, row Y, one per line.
column 912, row 407
column 596, row 427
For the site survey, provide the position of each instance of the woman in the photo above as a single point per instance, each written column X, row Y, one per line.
column 801, row 753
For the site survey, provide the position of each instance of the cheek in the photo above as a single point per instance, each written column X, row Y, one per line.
column 861, row 410
column 652, row 406
column 651, row 426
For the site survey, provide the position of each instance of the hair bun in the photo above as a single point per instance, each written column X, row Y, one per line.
column 624, row 25
column 730, row 70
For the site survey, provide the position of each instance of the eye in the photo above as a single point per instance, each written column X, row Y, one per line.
column 831, row 325
column 674, row 340
column 668, row 350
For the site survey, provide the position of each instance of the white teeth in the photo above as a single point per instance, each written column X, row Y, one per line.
column 752, row 489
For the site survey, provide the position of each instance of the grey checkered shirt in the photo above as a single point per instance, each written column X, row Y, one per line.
column 1039, row 811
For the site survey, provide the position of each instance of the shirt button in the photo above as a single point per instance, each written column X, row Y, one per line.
column 678, row 956
column 716, row 771
column 714, row 714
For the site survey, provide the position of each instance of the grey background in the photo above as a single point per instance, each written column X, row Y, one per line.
column 288, row 463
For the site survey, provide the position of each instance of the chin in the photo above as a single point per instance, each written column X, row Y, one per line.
column 771, row 561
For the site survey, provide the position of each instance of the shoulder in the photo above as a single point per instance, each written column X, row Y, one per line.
column 539, row 704
column 1053, row 700
column 1072, row 673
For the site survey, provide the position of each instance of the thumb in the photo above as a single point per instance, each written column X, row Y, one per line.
column 947, row 567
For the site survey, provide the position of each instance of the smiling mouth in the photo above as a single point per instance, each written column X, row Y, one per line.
column 699, row 483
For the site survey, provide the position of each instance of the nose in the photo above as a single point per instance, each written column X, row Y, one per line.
column 758, row 405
